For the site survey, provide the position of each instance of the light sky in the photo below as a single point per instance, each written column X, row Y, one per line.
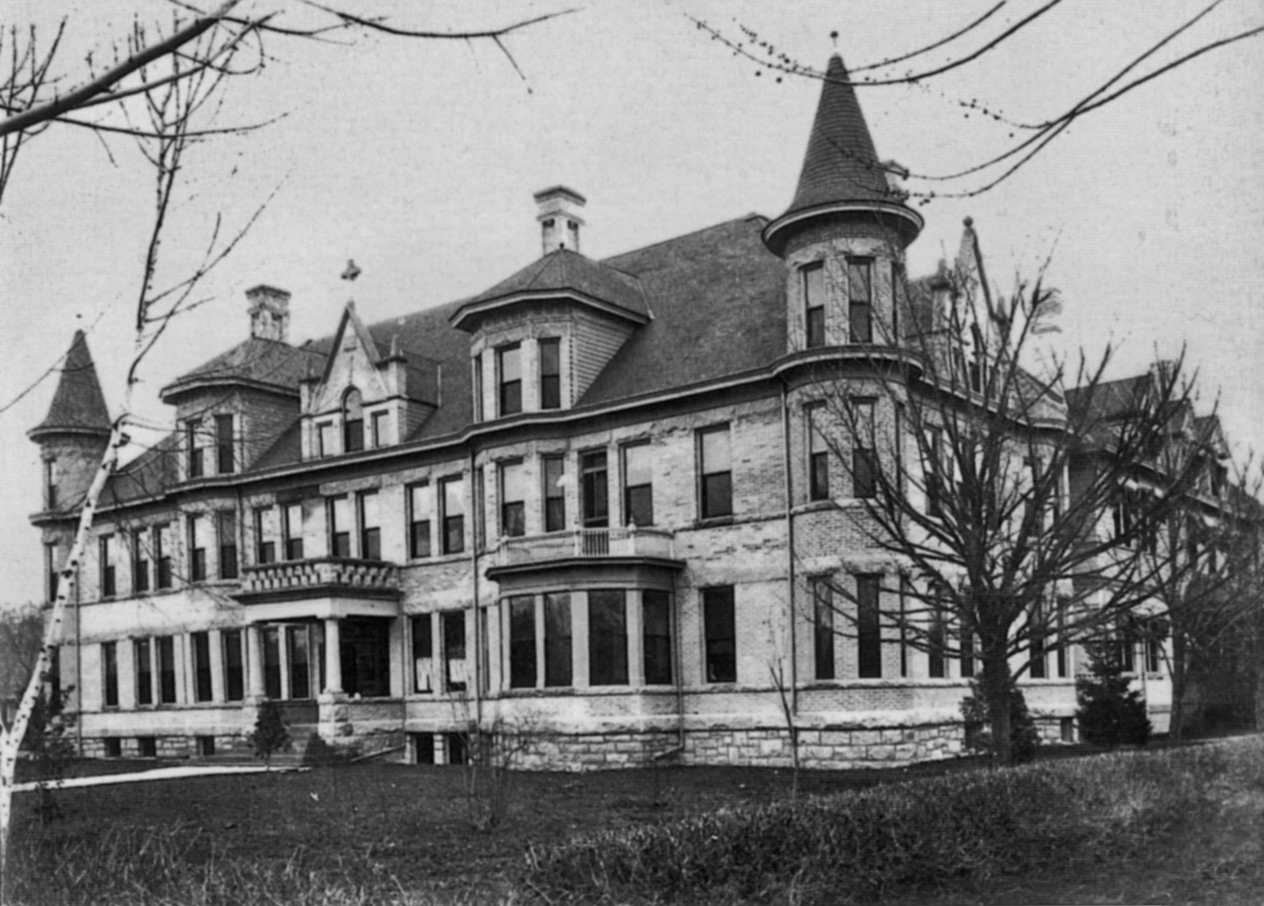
column 419, row 159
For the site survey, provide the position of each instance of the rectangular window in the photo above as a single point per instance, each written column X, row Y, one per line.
column 352, row 422
column 109, row 671
column 860, row 299
column 897, row 297
column 197, row 548
column 234, row 666
column 864, row 460
column 818, row 454
column 166, row 646
column 140, row 562
column 265, row 535
column 509, row 370
column 932, row 468
column 225, row 461
column 325, row 439
column 423, row 748
column 479, row 508
column 638, row 484
column 272, row 662
column 595, row 490
column 452, row 497
column 298, row 644
column 379, row 423
column 1153, row 647
column 423, row 653
column 720, row 633
column 420, row 508
column 370, row 525
column 657, row 637
column 226, row 529
column 1061, row 655
column 454, row 650
column 937, row 639
column 904, row 592
column 51, row 570
column 607, row 638
column 50, row 484
column 551, row 373
column 193, row 448
column 478, row 388
column 113, row 747
column 162, row 554
column 146, row 747
column 143, row 665
column 105, row 548
column 823, row 629
column 715, row 466
column 513, row 493
column 1036, row 640
column 292, row 528
column 967, row 654
column 868, row 627
column 814, row 304
column 522, row 642
column 554, row 494
column 200, row 643
column 339, row 509
column 557, row 639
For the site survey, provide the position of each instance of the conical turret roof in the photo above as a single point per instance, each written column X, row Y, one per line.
column 78, row 405
column 841, row 168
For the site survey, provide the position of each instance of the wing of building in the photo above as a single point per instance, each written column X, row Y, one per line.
column 587, row 498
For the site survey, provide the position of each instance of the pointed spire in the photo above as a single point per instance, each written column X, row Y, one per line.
column 841, row 170
column 78, row 405
column 841, row 163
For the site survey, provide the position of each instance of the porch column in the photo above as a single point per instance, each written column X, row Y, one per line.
column 254, row 657
column 333, row 657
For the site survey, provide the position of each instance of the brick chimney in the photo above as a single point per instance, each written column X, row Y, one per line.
column 558, row 214
column 269, row 313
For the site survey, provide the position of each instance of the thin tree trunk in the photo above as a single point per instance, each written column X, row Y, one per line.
column 1180, row 681
column 996, row 687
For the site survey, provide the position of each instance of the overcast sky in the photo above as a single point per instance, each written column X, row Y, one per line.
column 419, row 159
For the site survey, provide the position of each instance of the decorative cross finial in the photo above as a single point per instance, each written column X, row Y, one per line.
column 352, row 271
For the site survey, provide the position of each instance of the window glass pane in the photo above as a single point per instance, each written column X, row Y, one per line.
column 166, row 669
column 638, row 490
column 109, row 667
column 715, row 451
column 370, row 526
column 511, row 363
column 420, row 506
column 423, row 653
column 454, row 497
column 823, row 629
column 656, row 622
column 227, row 532
column 721, row 639
column 144, row 672
column 554, row 499
column 522, row 643
column 340, row 527
column 868, row 628
column 860, row 281
column 201, row 645
column 595, row 490
column 550, row 374
column 234, row 673
column 300, row 662
column 557, row 639
column 607, row 638
column 454, row 650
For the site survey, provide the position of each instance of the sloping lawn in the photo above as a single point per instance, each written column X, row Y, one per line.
column 402, row 834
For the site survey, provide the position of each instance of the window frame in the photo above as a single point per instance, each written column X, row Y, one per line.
column 559, row 639
column 520, row 620
column 234, row 668
column 631, row 491
column 657, row 648
column 265, row 546
column 453, row 525
column 415, row 524
column 868, row 625
column 143, row 671
column 198, row 565
column 140, row 563
column 340, row 531
column 554, row 496
column 864, row 462
column 860, row 311
column 106, row 568
column 513, row 512
column 162, row 557
column 608, row 637
column 818, row 459
column 225, row 446
column 715, row 488
column 352, row 428
column 292, row 540
column 368, row 503
column 200, row 650
column 719, row 614
column 594, row 500
column 824, row 660
column 377, row 423
column 109, row 675
column 550, row 381
column 195, row 455
column 814, row 335
column 226, row 527
column 508, row 391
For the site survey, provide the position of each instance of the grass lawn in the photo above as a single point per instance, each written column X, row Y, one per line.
column 393, row 833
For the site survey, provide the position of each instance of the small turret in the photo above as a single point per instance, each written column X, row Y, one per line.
column 73, row 436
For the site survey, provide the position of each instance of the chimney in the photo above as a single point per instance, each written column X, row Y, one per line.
column 557, row 212
column 269, row 313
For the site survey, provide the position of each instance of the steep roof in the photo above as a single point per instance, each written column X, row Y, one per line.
column 258, row 361
column 841, row 163
column 562, row 270
column 78, row 404
column 719, row 308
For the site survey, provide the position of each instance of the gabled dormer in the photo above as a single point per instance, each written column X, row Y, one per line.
column 540, row 338
column 366, row 396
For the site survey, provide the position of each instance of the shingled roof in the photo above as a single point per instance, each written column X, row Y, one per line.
column 78, row 405
column 841, row 163
column 270, row 363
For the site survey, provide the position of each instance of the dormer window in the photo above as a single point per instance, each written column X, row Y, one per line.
column 194, row 450
column 860, row 299
column 225, row 462
column 379, row 422
column 325, row 439
column 814, row 304
column 551, row 373
column 352, row 422
column 509, row 372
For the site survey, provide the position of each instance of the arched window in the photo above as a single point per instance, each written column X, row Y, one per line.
column 352, row 422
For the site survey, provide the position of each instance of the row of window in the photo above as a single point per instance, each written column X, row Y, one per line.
column 509, row 377
column 154, row 669
column 860, row 301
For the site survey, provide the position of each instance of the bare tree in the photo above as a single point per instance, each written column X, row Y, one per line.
column 166, row 83
column 992, row 491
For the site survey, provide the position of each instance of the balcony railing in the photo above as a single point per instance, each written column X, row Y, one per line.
column 586, row 543
column 324, row 572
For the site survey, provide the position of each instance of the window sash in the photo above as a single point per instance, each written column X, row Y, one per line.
column 557, row 639
column 715, row 464
column 720, row 633
column 607, row 638
column 195, row 453
column 522, row 666
column 162, row 555
column 225, row 461
column 823, row 629
column 200, row 644
column 109, row 669
column 550, row 374
column 420, row 507
column 813, row 276
column 638, row 485
column 868, row 627
column 454, row 662
column 105, row 547
column 509, row 368
column 339, row 526
column 512, row 500
column 227, row 532
column 234, row 665
column 554, row 494
column 370, row 525
column 166, row 669
column 423, row 653
column 596, row 490
column 144, row 672
column 657, row 637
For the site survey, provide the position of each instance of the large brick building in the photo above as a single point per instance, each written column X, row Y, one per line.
column 589, row 499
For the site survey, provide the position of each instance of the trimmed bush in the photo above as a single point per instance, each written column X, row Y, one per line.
column 1111, row 713
column 1024, row 738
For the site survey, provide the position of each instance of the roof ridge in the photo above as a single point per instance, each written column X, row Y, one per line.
column 652, row 245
